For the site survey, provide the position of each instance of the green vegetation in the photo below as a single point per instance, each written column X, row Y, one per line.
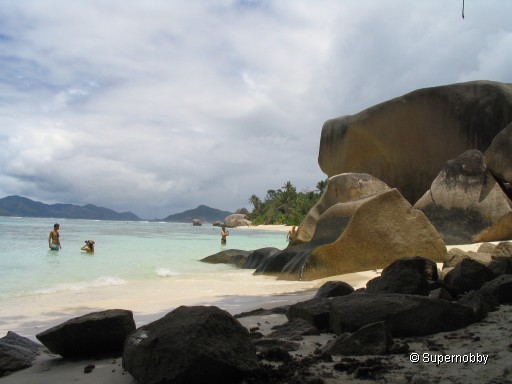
column 284, row 206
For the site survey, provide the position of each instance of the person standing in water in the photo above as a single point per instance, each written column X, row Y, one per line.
column 223, row 235
column 54, row 238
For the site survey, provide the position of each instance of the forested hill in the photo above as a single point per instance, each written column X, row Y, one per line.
column 202, row 212
column 24, row 207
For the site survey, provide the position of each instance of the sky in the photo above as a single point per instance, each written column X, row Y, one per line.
column 158, row 106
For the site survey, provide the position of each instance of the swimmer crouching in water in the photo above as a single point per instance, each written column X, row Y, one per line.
column 89, row 246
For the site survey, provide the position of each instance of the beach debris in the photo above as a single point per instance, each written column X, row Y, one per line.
column 88, row 368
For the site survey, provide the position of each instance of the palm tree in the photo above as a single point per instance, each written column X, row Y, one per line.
column 321, row 185
column 256, row 203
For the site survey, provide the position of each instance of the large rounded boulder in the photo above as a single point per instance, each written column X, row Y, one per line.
column 466, row 204
column 348, row 188
column 498, row 158
column 94, row 334
column 383, row 229
column 406, row 141
column 358, row 236
column 191, row 345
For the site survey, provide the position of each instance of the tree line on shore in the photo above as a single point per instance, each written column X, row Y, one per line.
column 284, row 205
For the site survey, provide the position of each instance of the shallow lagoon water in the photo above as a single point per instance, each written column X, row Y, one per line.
column 147, row 267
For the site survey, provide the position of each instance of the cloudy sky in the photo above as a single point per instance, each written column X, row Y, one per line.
column 158, row 106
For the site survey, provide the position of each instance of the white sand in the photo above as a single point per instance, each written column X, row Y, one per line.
column 154, row 303
column 491, row 336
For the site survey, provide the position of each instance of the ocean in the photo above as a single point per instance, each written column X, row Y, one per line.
column 147, row 267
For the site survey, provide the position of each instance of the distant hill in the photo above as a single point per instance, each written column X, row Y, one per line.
column 23, row 207
column 203, row 213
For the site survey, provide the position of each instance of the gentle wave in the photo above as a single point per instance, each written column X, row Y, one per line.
column 165, row 272
column 99, row 282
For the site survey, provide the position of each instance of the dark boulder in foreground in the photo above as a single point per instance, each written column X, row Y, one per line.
column 372, row 339
column 500, row 288
column 410, row 275
column 404, row 315
column 16, row 352
column 333, row 289
column 468, row 275
column 95, row 334
column 191, row 345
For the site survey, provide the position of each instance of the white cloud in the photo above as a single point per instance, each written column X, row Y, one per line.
column 160, row 106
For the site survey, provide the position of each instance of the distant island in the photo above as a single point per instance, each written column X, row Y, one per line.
column 23, row 207
column 202, row 212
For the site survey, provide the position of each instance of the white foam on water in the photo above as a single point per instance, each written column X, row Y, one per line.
column 165, row 272
column 104, row 281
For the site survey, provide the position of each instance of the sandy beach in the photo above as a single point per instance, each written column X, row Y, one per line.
column 490, row 337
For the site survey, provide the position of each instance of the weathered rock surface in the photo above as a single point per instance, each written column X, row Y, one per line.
column 501, row 265
column 404, row 315
column 191, row 345
column 498, row 157
column 500, row 288
column 241, row 258
column 315, row 311
column 371, row 339
column 383, row 229
column 94, row 334
column 468, row 275
column 236, row 220
column 294, row 330
column 503, row 249
column 481, row 302
column 407, row 140
column 334, row 288
column 260, row 256
column 236, row 257
column 348, row 188
column 466, row 204
column 455, row 256
column 197, row 222
column 16, row 352
column 409, row 275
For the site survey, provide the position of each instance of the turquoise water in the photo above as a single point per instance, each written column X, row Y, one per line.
column 125, row 251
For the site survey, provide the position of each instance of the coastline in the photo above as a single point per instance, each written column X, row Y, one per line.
column 485, row 337
column 52, row 368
